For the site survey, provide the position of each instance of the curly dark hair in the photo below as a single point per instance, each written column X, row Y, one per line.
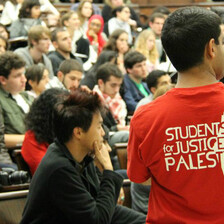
column 8, row 61
column 39, row 119
column 25, row 10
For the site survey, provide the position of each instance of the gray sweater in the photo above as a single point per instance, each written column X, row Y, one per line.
column 25, row 54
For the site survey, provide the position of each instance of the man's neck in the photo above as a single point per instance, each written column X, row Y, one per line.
column 137, row 80
column 195, row 77
column 158, row 36
column 36, row 55
column 66, row 55
column 78, row 153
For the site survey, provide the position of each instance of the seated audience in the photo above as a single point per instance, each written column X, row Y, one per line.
column 48, row 7
column 118, row 41
column 14, row 102
column 109, row 80
column 154, row 80
column 69, row 75
column 29, row 16
column 3, row 45
column 63, row 46
column 120, row 21
column 134, row 89
column 66, row 183
column 90, row 77
column 95, row 33
column 4, row 32
column 146, row 44
column 5, row 160
column 39, row 42
column 80, row 43
column 85, row 11
column 10, row 12
column 156, row 22
column 162, row 9
column 112, row 4
column 37, row 78
column 96, row 9
column 39, row 134
column 52, row 21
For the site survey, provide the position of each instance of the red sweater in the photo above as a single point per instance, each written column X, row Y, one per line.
column 32, row 151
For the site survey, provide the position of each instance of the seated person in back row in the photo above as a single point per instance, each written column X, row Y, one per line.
column 109, row 79
column 63, row 47
column 154, row 80
column 66, row 187
column 134, row 89
column 14, row 103
column 69, row 75
column 5, row 160
column 39, row 42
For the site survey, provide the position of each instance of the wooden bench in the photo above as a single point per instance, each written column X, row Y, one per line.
column 121, row 151
column 11, row 206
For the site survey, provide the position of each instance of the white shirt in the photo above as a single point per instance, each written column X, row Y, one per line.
column 21, row 102
column 10, row 13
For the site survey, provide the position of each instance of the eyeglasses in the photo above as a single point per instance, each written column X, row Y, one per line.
column 98, row 25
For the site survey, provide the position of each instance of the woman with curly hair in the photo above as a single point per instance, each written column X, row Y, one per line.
column 39, row 134
column 118, row 41
column 146, row 44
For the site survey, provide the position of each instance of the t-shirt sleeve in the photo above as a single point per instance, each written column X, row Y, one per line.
column 136, row 170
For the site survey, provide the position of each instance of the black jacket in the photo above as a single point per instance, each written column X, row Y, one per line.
column 56, row 59
column 63, row 191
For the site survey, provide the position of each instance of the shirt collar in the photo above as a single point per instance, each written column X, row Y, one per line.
column 80, row 166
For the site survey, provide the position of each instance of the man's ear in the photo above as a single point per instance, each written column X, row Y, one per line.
column 100, row 82
column 128, row 70
column 31, row 83
column 55, row 44
column 33, row 42
column 66, row 23
column 3, row 80
column 77, row 132
column 153, row 90
column 210, row 49
column 60, row 76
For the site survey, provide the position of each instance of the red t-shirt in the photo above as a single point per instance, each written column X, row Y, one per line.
column 178, row 141
column 32, row 151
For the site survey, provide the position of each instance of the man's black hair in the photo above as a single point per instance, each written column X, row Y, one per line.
column 152, row 78
column 9, row 61
column 132, row 58
column 69, row 65
column 186, row 33
column 76, row 110
column 106, row 70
